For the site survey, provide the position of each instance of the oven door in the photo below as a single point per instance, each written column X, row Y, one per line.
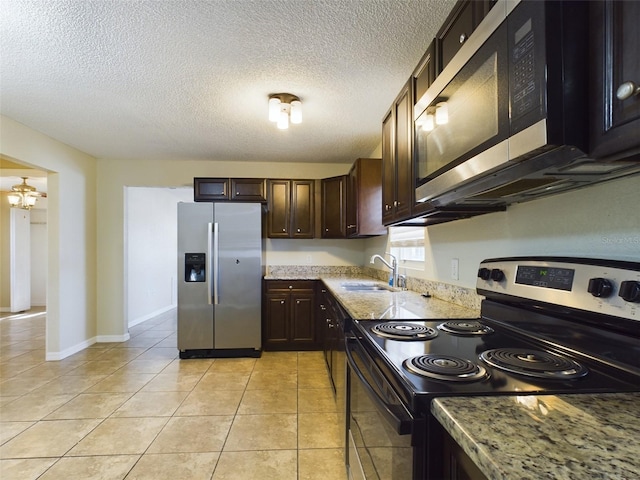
column 384, row 438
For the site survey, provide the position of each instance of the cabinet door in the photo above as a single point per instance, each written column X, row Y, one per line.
column 455, row 32
column 352, row 200
column 248, row 189
column 404, row 156
column 462, row 21
column 303, row 318
column 388, row 168
column 334, row 207
column 364, row 198
column 615, row 37
column 324, row 320
column 302, row 209
column 397, row 157
column 276, row 325
column 425, row 74
column 279, row 208
column 210, row 189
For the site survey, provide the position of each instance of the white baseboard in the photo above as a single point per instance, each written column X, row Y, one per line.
column 54, row 356
column 133, row 323
column 113, row 338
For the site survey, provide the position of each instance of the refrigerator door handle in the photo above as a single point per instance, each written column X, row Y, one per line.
column 216, row 259
column 209, row 263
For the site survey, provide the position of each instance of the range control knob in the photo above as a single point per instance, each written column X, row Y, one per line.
column 600, row 287
column 630, row 291
column 497, row 275
column 484, row 273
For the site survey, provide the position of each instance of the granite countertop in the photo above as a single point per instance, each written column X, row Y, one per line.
column 391, row 305
column 547, row 436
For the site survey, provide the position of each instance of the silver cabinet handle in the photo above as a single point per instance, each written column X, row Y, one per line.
column 298, row 230
column 284, row 229
column 290, row 287
column 281, row 302
column 297, row 302
column 627, row 90
column 463, row 38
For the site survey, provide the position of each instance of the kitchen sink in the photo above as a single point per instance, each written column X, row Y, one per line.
column 365, row 287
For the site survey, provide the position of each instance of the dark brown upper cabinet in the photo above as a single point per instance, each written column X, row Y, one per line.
column 290, row 208
column 397, row 177
column 457, row 28
column 334, row 207
column 615, row 78
column 364, row 199
column 425, row 72
column 207, row 189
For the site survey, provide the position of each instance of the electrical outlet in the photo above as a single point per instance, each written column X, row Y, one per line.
column 454, row 269
column 309, row 259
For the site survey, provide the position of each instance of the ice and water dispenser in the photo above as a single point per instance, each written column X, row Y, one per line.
column 194, row 267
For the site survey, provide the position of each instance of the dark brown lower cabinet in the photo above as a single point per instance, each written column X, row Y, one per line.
column 457, row 464
column 289, row 318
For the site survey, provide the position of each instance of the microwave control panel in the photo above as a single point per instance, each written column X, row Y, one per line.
column 524, row 97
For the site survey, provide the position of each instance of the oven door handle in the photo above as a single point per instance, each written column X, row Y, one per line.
column 402, row 421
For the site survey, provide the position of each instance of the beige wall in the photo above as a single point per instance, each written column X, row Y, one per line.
column 71, row 235
column 114, row 175
column 600, row 221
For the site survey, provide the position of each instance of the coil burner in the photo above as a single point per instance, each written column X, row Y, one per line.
column 465, row 327
column 445, row 367
column 404, row 331
column 533, row 363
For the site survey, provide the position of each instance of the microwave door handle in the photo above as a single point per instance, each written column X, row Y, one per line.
column 403, row 425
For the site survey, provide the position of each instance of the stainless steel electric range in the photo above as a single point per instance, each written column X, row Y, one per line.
column 547, row 326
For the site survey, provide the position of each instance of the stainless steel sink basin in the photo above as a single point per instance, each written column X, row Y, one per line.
column 365, row 287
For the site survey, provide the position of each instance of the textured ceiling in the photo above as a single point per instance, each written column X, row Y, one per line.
column 190, row 79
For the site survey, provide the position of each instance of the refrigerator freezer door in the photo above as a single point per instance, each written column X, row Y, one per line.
column 239, row 272
column 195, row 309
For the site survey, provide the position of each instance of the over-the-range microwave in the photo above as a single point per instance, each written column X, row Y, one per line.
column 507, row 119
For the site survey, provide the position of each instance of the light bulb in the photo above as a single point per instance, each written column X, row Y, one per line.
column 283, row 119
column 274, row 109
column 442, row 113
column 296, row 111
column 31, row 201
column 428, row 124
column 14, row 199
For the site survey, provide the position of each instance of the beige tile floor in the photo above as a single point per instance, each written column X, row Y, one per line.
column 134, row 410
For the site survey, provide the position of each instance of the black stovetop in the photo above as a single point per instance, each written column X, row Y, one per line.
column 390, row 355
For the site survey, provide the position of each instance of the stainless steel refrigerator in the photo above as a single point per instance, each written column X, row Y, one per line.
column 220, row 270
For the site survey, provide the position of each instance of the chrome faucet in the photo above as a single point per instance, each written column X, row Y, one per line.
column 393, row 266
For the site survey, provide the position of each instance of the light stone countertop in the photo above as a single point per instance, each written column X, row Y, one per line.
column 560, row 437
column 391, row 305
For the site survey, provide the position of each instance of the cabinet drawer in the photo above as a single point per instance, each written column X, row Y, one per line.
column 290, row 285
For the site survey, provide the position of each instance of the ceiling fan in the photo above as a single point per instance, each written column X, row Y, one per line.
column 23, row 195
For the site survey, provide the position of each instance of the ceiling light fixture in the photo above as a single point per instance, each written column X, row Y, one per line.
column 284, row 108
column 23, row 195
